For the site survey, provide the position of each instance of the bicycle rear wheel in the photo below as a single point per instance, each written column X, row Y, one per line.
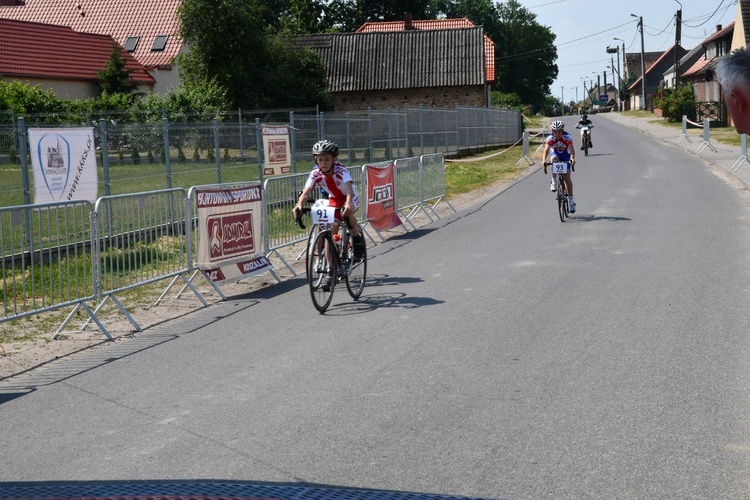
column 357, row 272
column 321, row 275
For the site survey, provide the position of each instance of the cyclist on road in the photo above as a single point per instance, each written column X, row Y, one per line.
column 561, row 144
column 335, row 179
column 585, row 122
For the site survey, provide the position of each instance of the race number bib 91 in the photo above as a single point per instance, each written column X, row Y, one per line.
column 323, row 213
column 560, row 167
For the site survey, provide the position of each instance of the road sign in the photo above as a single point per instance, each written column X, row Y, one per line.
column 603, row 98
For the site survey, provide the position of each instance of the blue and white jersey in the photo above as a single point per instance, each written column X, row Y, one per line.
column 560, row 146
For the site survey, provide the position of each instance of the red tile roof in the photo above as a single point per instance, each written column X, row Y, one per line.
column 119, row 19
column 44, row 51
column 437, row 24
column 719, row 33
column 698, row 67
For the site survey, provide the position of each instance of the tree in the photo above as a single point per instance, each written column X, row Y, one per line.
column 115, row 77
column 242, row 45
column 525, row 54
column 349, row 15
column 480, row 12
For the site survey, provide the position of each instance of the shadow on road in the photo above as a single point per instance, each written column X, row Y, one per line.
column 594, row 218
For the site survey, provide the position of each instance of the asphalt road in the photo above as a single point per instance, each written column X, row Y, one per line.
column 498, row 353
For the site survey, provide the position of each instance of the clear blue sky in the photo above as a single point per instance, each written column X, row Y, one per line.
column 584, row 29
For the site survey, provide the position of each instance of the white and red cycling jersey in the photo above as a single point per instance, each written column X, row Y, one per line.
column 333, row 184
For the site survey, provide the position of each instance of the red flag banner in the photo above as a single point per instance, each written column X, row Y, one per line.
column 381, row 196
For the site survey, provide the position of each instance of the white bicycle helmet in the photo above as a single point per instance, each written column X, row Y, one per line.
column 556, row 125
column 325, row 146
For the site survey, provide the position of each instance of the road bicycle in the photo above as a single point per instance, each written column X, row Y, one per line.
column 585, row 138
column 560, row 168
column 329, row 257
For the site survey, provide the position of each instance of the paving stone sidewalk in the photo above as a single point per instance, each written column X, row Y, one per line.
column 725, row 156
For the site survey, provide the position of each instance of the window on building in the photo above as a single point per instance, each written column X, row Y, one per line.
column 159, row 43
column 131, row 43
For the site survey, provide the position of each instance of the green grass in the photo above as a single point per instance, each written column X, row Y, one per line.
column 464, row 177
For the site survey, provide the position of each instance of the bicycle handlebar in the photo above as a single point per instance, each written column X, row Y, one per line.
column 298, row 215
column 547, row 163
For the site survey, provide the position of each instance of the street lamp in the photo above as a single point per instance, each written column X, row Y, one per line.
column 643, row 64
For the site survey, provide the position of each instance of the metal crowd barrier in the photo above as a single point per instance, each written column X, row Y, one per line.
column 280, row 194
column 48, row 259
column 433, row 190
column 67, row 253
column 408, row 188
column 141, row 240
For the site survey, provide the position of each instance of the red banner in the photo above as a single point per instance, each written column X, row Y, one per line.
column 381, row 196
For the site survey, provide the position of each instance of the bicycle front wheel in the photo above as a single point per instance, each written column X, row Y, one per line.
column 321, row 274
column 562, row 199
column 310, row 238
column 356, row 273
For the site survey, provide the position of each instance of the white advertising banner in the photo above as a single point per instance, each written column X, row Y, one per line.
column 64, row 164
column 230, row 240
column 278, row 152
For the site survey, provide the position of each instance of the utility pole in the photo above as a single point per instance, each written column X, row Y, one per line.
column 562, row 100
column 643, row 64
column 621, row 72
column 677, row 42
column 610, row 51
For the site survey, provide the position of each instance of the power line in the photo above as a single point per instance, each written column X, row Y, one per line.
column 662, row 31
column 707, row 19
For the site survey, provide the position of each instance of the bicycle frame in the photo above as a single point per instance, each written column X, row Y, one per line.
column 560, row 170
column 329, row 261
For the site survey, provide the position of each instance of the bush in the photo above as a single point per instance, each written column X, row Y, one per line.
column 135, row 157
column 676, row 102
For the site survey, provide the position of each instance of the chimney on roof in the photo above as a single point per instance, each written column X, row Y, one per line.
column 11, row 3
column 407, row 21
column 718, row 27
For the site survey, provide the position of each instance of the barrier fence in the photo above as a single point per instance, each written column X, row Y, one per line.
column 69, row 254
column 140, row 152
column 706, row 130
column 48, row 258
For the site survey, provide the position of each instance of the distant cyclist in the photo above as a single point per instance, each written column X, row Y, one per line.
column 561, row 144
column 585, row 122
column 335, row 179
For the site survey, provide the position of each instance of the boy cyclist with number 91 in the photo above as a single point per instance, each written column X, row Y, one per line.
column 561, row 144
column 335, row 179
